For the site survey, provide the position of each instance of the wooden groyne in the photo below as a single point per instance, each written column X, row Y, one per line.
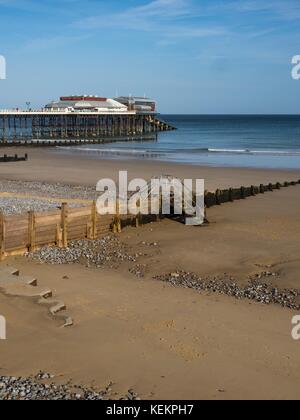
column 73, row 142
column 14, row 158
column 231, row 194
column 53, row 125
column 28, row 232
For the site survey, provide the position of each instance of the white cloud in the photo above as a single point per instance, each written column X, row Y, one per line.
column 281, row 9
column 170, row 18
column 162, row 8
column 55, row 42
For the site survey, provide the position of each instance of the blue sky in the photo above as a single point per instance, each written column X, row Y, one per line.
column 193, row 56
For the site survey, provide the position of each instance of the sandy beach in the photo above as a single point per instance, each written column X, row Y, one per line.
column 122, row 279
column 56, row 165
column 138, row 332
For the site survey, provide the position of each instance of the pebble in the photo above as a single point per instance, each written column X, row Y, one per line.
column 256, row 289
column 106, row 252
column 11, row 205
column 12, row 388
column 139, row 270
column 15, row 205
column 45, row 189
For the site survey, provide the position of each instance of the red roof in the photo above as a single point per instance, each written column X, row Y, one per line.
column 83, row 98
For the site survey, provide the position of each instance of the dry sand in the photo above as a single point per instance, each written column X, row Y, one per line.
column 166, row 342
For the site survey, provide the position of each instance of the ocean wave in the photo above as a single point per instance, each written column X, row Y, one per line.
column 257, row 152
column 146, row 153
column 116, row 152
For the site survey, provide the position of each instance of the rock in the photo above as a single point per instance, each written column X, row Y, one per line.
column 69, row 323
column 106, row 252
column 58, row 307
column 46, row 294
column 255, row 290
column 33, row 389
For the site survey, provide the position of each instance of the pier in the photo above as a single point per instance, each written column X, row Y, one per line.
column 17, row 126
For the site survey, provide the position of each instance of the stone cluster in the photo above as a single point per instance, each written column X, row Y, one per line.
column 107, row 252
column 256, row 289
column 36, row 388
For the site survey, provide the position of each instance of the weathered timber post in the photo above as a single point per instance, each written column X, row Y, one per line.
column 94, row 217
column 2, row 236
column 92, row 225
column 278, row 185
column 253, row 193
column 206, row 201
column 31, row 231
column 117, row 222
column 64, row 224
column 270, row 187
column 230, row 195
column 243, row 195
column 262, row 189
column 138, row 216
column 59, row 236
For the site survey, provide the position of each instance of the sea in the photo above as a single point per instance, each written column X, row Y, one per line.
column 253, row 141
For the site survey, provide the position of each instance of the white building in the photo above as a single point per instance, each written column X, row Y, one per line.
column 86, row 103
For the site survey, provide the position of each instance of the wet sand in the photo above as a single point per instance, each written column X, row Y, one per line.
column 162, row 341
column 56, row 165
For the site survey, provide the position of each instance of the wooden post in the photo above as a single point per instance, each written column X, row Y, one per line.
column 31, row 231
column 206, row 203
column 2, row 237
column 231, row 195
column 138, row 216
column 253, row 191
column 94, row 220
column 243, row 193
column 262, row 189
column 218, row 198
column 117, row 222
column 64, row 224
column 59, row 236
column 270, row 187
column 92, row 225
